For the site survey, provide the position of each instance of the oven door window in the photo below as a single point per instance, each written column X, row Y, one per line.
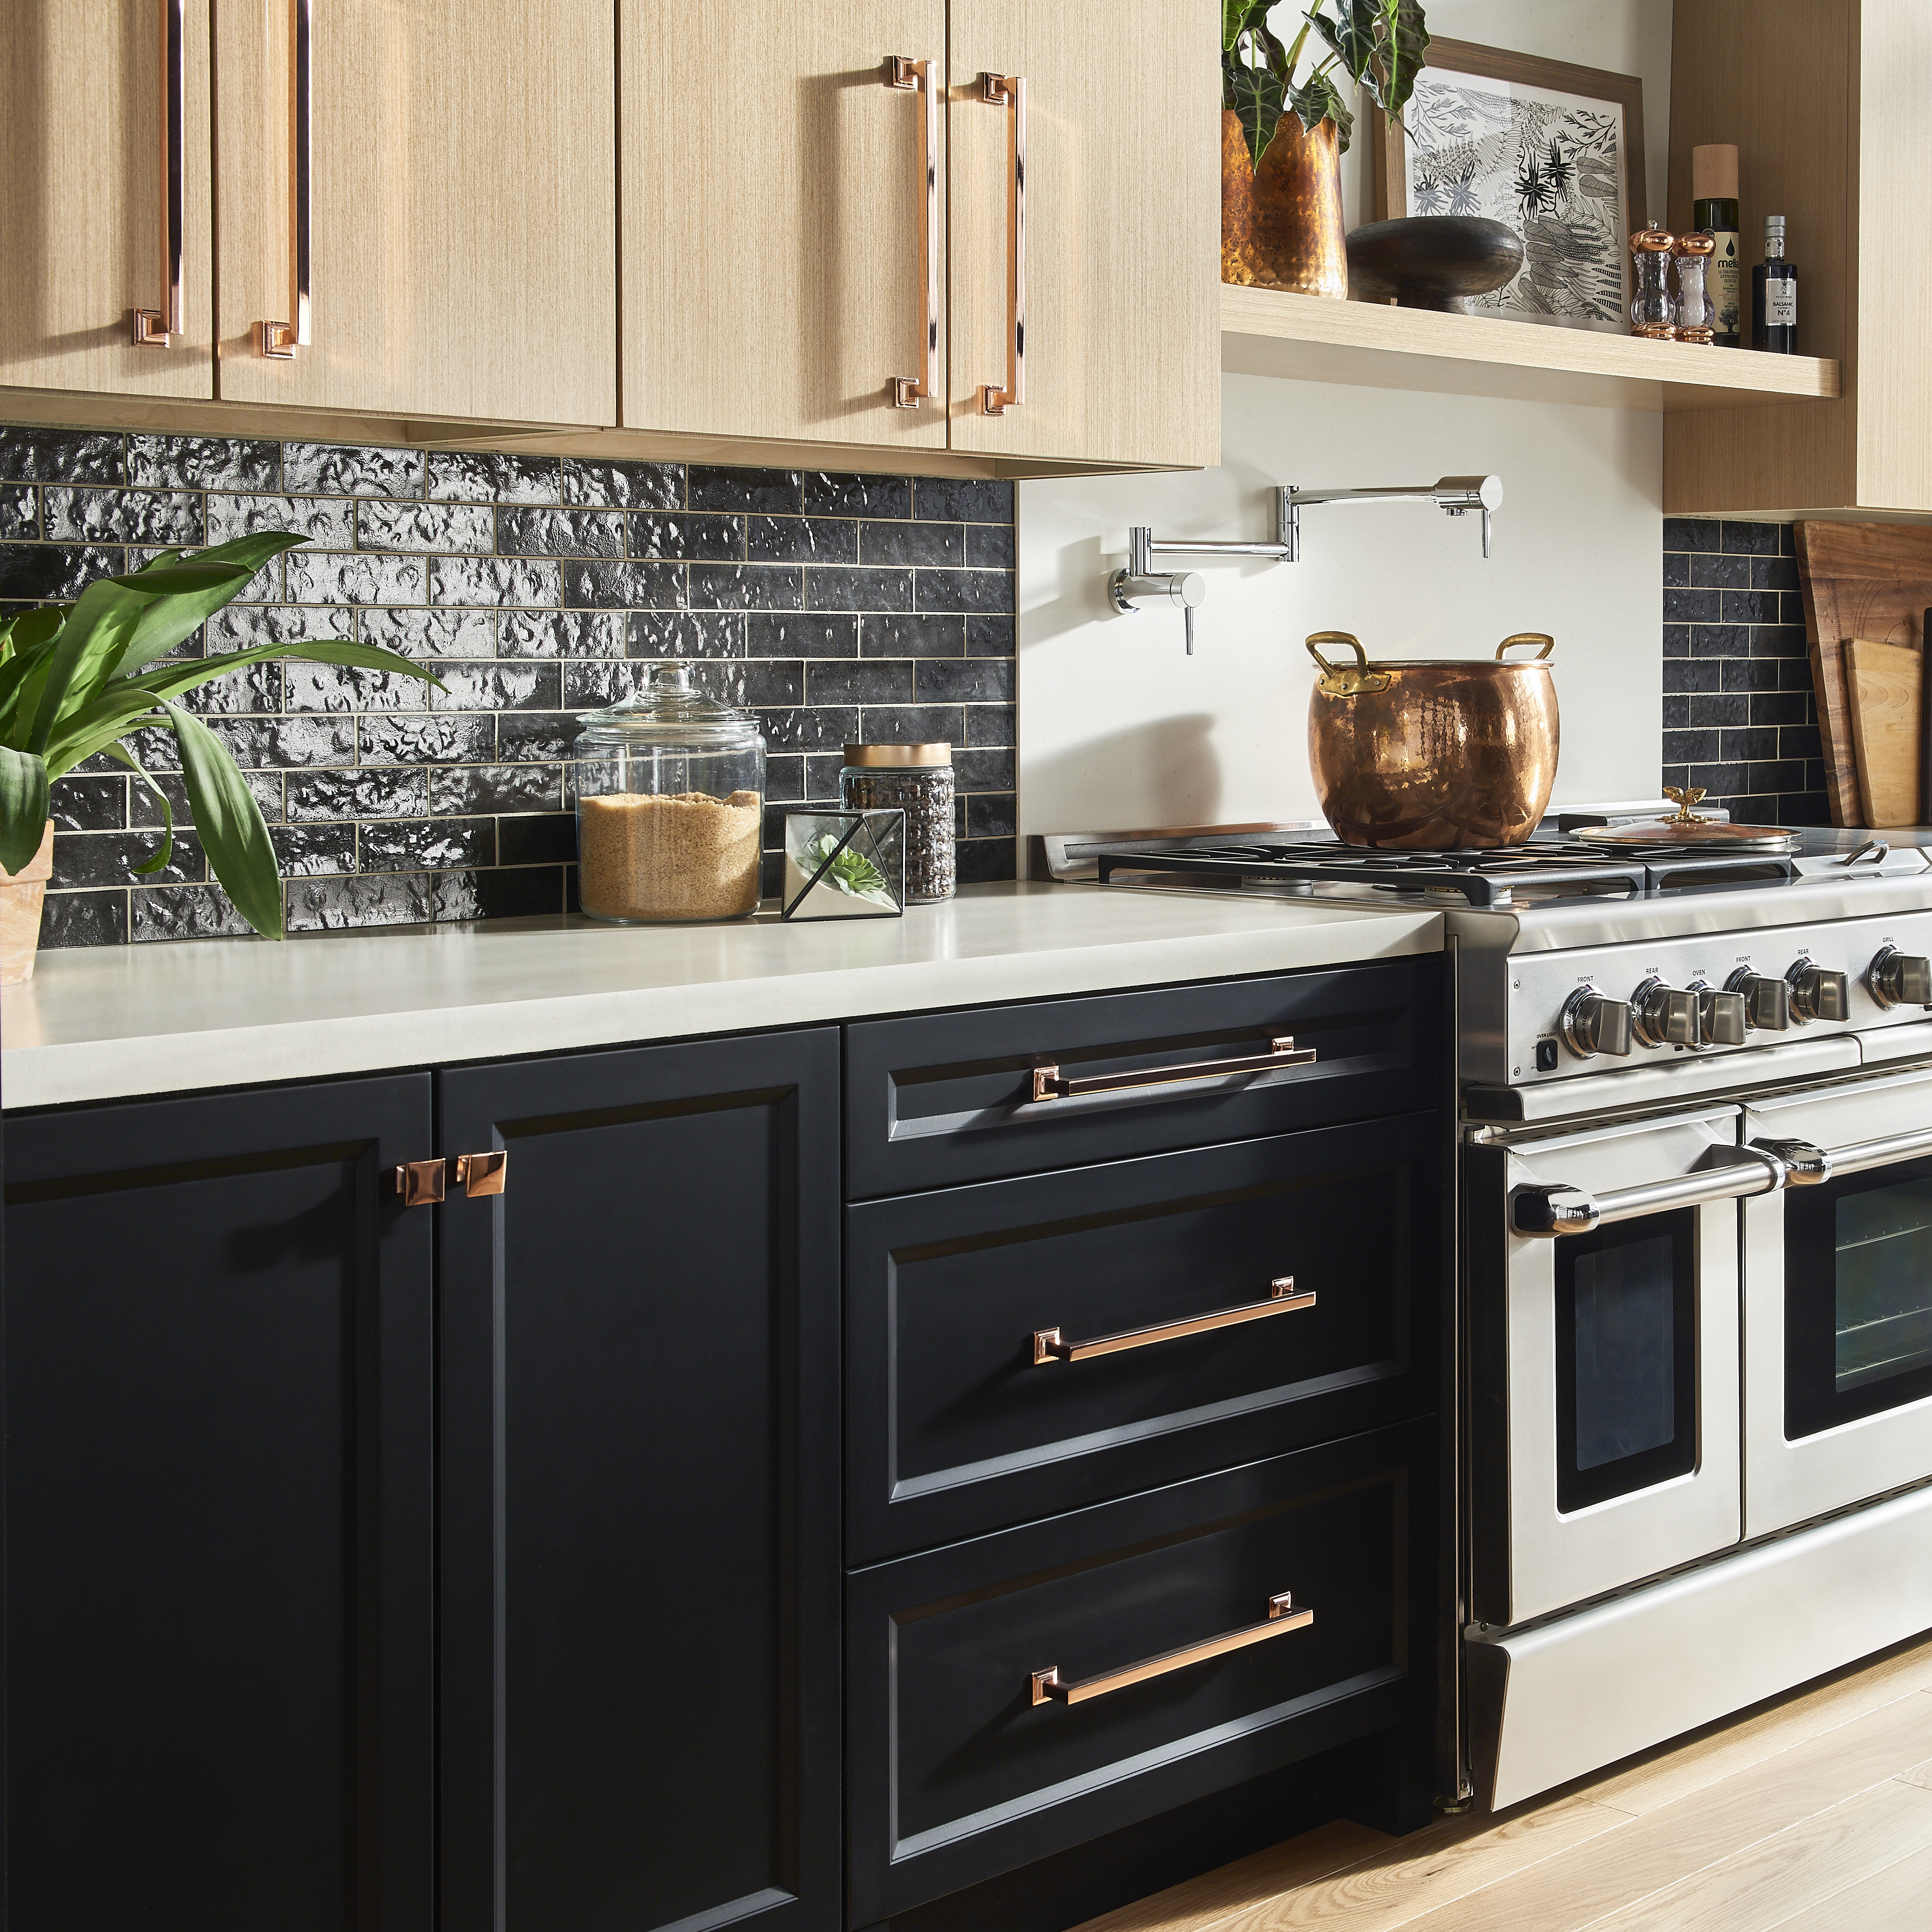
column 1857, row 1296
column 1626, row 1357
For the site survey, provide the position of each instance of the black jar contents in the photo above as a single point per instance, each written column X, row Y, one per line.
column 917, row 780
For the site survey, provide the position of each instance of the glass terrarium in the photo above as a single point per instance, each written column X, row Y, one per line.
column 669, row 792
column 844, row 865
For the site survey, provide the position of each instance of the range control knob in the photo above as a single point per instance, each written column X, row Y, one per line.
column 1900, row 979
column 1817, row 993
column 1767, row 1001
column 1721, row 1017
column 1593, row 1023
column 1662, row 1015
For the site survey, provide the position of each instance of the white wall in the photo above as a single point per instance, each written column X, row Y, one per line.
column 1118, row 727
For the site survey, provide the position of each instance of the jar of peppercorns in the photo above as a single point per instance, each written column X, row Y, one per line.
column 917, row 779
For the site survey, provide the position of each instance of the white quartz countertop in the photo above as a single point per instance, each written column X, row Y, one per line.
column 103, row 1022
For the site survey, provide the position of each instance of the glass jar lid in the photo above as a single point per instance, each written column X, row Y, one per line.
column 669, row 710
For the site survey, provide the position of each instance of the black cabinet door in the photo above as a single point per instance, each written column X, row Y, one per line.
column 640, row 1492
column 220, row 1545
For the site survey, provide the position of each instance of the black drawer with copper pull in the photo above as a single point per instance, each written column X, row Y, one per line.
column 1015, row 1694
column 1019, row 1347
column 940, row 1098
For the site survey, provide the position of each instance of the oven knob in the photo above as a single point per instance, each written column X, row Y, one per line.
column 1817, row 993
column 1721, row 1017
column 1767, row 1001
column 1900, row 979
column 1593, row 1023
column 1662, row 1015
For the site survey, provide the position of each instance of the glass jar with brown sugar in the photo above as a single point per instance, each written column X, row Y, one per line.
column 670, row 791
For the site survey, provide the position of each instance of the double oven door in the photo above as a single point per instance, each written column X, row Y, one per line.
column 1837, row 1402
column 1603, row 1309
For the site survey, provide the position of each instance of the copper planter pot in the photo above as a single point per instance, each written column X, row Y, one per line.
column 1281, row 222
column 1433, row 757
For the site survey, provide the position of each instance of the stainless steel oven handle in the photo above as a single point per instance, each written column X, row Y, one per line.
column 1875, row 1154
column 1805, row 1166
column 1724, row 1173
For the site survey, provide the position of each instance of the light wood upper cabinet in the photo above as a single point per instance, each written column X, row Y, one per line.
column 1122, row 226
column 463, row 237
column 1826, row 101
column 83, row 206
column 774, row 269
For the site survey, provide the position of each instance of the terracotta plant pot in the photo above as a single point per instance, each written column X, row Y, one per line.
column 1281, row 222
column 22, row 894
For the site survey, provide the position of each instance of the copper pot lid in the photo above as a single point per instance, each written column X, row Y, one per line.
column 1686, row 828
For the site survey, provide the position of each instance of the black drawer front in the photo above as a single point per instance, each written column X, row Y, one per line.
column 952, row 1428
column 947, row 1097
column 955, row 1775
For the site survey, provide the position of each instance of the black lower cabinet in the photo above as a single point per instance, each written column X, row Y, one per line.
column 960, row 1768
column 220, row 1465
column 640, row 1510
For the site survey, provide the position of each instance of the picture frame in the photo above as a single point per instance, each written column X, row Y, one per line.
column 1553, row 150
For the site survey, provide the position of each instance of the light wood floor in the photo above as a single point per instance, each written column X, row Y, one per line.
column 1813, row 1813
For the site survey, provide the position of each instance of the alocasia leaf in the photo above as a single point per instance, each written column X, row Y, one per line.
column 1255, row 94
column 23, row 807
column 230, row 824
column 1405, row 54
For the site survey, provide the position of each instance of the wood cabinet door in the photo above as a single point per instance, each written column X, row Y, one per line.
column 220, row 1390
column 1121, row 225
column 84, row 220
column 775, row 281
column 462, row 230
column 640, row 1492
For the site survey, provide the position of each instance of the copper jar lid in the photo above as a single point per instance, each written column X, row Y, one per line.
column 940, row 753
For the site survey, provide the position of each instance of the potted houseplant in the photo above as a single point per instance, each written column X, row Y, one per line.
column 1285, row 127
column 75, row 678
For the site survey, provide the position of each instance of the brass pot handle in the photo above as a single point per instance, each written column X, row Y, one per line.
column 1336, row 637
column 1542, row 637
column 1281, row 1617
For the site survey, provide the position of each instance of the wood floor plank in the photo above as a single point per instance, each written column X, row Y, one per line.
column 1920, row 1774
column 1760, row 1888
column 1399, row 1884
column 1206, row 1901
column 1668, row 1845
column 1666, row 1775
column 1894, row 1900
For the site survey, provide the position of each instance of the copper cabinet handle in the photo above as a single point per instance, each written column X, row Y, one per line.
column 482, row 1173
column 424, row 1183
column 282, row 339
column 1050, row 1084
column 916, row 76
column 1048, row 1345
column 1009, row 91
column 421, row 1183
column 1283, row 1617
column 156, row 327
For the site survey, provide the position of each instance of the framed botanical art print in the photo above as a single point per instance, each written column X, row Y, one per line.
column 1554, row 152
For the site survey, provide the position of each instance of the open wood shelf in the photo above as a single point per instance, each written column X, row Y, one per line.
column 1270, row 332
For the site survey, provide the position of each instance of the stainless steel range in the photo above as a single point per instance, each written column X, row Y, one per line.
column 1695, row 1281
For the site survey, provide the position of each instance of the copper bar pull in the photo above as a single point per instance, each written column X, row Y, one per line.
column 482, row 1173
column 1009, row 91
column 1050, row 1084
column 156, row 327
column 1283, row 1617
column 917, row 76
column 421, row 1183
column 1048, row 1345
column 282, row 339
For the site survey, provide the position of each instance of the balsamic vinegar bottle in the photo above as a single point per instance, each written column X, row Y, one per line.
column 1774, row 295
column 1713, row 190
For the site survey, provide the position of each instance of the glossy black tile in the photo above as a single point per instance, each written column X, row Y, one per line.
column 813, row 635
column 859, row 590
column 425, row 633
column 84, row 918
column 503, row 891
column 502, row 686
column 931, row 544
column 351, row 469
column 475, row 789
column 388, row 791
column 686, row 633
column 975, row 681
column 426, row 844
column 524, row 532
column 959, row 499
column 976, row 590
column 78, row 804
column 203, row 463
column 867, row 681
column 560, row 634
column 310, row 851
column 802, row 540
column 550, row 839
column 633, row 486
column 378, row 899
column 441, row 738
column 470, row 476
column 490, row 581
column 32, row 455
column 773, row 492
column 389, row 523
column 19, row 512
column 166, row 517
column 677, row 536
column 621, row 587
column 55, row 572
column 991, row 724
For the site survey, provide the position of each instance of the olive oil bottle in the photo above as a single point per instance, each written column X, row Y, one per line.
column 1714, row 206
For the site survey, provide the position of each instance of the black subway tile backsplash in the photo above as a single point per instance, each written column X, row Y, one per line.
column 832, row 606
column 1739, row 716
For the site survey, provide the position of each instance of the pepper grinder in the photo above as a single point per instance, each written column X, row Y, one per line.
column 1652, row 312
column 1692, row 253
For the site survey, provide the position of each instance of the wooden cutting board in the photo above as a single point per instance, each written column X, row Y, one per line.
column 1883, row 685
column 1834, row 732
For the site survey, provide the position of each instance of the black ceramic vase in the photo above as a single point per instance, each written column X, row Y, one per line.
column 1432, row 261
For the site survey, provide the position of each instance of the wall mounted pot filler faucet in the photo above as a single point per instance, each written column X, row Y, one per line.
column 1140, row 587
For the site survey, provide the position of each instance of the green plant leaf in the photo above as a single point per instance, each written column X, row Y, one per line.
column 88, row 646
column 165, row 622
column 23, row 807
column 1237, row 16
column 1318, row 99
column 122, row 755
column 1350, row 31
column 1405, row 54
column 229, row 822
column 1255, row 94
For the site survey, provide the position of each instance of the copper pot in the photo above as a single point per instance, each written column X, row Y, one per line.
column 1281, row 222
column 1433, row 756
